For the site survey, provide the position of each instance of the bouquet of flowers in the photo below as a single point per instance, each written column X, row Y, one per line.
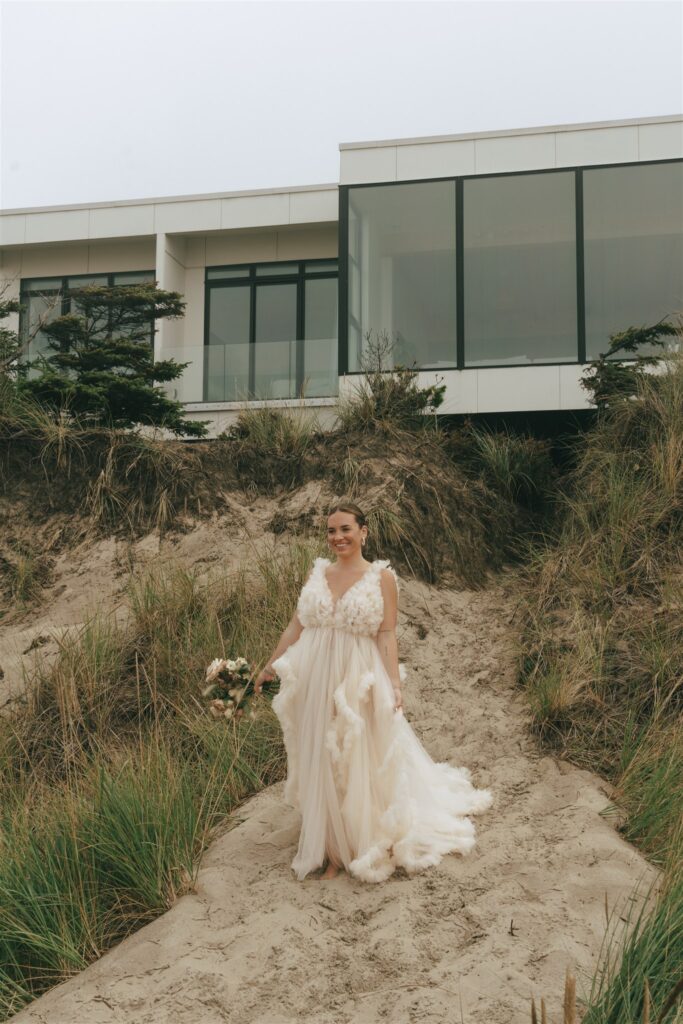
column 227, row 682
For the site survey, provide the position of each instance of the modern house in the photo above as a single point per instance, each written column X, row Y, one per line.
column 498, row 262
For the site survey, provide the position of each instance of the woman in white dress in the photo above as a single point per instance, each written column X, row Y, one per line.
column 371, row 798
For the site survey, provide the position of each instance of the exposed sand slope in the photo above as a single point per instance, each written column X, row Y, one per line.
column 92, row 575
column 470, row 940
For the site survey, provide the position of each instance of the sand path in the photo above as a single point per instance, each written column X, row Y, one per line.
column 470, row 940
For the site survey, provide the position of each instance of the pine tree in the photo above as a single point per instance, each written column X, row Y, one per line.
column 99, row 364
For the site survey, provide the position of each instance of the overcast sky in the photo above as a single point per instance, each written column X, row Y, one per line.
column 121, row 100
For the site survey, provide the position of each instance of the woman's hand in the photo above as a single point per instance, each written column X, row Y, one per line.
column 266, row 675
column 398, row 699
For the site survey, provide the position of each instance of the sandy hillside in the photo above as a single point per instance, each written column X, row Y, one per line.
column 468, row 941
column 92, row 575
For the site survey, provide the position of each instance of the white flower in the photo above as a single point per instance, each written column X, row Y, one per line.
column 242, row 661
column 214, row 668
column 231, row 666
column 228, row 712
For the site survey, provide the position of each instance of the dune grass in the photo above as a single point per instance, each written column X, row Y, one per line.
column 114, row 722
column 113, row 777
column 601, row 660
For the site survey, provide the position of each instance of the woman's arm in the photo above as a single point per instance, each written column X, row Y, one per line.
column 290, row 635
column 386, row 634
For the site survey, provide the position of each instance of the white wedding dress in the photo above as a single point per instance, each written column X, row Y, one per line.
column 363, row 783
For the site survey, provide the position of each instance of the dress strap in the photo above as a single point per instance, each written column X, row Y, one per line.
column 384, row 563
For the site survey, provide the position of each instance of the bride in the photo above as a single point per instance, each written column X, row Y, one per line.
column 371, row 798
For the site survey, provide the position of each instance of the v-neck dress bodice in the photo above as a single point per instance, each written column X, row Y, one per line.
column 367, row 790
column 360, row 609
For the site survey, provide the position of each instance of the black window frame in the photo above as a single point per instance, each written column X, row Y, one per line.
column 458, row 183
column 25, row 292
column 252, row 280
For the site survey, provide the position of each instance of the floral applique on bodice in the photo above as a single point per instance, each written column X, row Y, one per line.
column 360, row 609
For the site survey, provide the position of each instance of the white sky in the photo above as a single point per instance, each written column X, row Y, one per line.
column 121, row 100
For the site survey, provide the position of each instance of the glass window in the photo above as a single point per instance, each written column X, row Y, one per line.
column 226, row 369
column 83, row 280
column 271, row 269
column 132, row 278
column 402, row 271
column 322, row 267
column 269, row 339
column 275, row 341
column 40, row 307
column 519, row 258
column 41, row 284
column 321, row 374
column 218, row 273
column 37, row 293
column 633, row 246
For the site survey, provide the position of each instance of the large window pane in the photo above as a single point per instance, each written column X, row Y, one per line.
column 520, row 269
column 216, row 273
column 44, row 307
column 280, row 363
column 320, row 349
column 321, row 267
column 133, row 277
column 402, row 271
column 274, row 269
column 275, row 350
column 226, row 376
column 633, row 229
column 41, row 284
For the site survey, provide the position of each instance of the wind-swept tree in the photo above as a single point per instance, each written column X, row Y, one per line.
column 607, row 379
column 99, row 365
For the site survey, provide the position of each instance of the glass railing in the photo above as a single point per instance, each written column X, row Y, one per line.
column 220, row 373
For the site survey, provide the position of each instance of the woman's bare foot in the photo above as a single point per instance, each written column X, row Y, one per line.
column 332, row 870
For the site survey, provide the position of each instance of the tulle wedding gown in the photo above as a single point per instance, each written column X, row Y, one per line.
column 363, row 783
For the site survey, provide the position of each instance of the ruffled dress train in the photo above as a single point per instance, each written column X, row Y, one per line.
column 363, row 783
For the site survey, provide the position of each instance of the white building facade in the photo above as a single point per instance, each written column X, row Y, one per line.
column 498, row 263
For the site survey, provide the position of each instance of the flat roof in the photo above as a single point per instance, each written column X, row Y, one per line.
column 150, row 200
column 420, row 140
column 375, row 144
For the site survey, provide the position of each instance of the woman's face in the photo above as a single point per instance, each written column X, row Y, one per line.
column 344, row 535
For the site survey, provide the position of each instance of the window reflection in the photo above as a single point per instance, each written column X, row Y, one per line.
column 520, row 270
column 271, row 339
column 633, row 246
column 402, row 271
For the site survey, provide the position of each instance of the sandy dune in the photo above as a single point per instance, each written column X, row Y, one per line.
column 468, row 941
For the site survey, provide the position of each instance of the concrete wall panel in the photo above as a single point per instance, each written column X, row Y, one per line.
column 518, row 388
column 240, row 247
column 113, row 221
column 597, row 146
column 514, row 153
column 255, row 211
column 322, row 205
column 58, row 226
column 434, row 160
column 372, row 164
column 660, row 141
